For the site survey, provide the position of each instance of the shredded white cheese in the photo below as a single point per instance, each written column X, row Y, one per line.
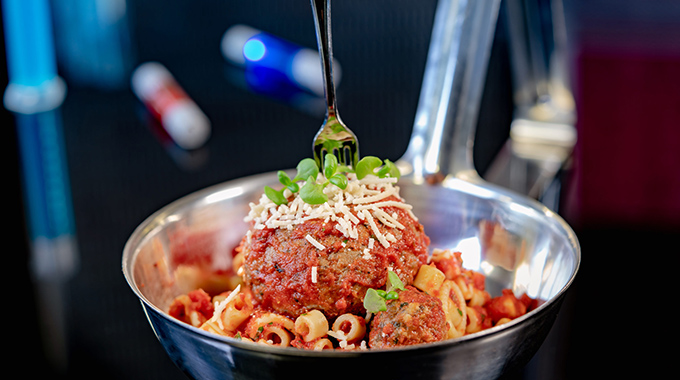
column 362, row 201
column 377, row 197
column 376, row 230
column 314, row 275
column 339, row 335
column 220, row 306
column 315, row 243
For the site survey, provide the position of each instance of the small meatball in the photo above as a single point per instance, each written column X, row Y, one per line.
column 291, row 276
column 416, row 317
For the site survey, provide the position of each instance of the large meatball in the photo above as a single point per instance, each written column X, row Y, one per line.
column 315, row 266
column 416, row 317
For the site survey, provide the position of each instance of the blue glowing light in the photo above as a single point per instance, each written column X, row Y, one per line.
column 254, row 49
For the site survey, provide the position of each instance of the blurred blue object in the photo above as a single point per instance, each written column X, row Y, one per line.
column 34, row 93
column 34, row 85
column 93, row 42
column 271, row 86
column 53, row 249
column 275, row 59
column 47, row 195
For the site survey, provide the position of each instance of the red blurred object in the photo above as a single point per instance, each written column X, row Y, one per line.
column 627, row 159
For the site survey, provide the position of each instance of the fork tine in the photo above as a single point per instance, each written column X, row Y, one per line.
column 346, row 154
column 319, row 154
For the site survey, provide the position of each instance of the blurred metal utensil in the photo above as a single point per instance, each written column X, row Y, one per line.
column 543, row 132
column 334, row 136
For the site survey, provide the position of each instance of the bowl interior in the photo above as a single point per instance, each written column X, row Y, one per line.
column 515, row 242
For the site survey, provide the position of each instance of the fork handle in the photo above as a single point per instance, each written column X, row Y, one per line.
column 322, row 22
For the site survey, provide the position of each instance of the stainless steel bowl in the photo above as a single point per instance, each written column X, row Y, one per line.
column 516, row 242
column 534, row 252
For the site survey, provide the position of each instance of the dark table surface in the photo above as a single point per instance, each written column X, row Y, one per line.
column 120, row 172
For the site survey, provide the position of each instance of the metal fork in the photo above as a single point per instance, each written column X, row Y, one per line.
column 334, row 136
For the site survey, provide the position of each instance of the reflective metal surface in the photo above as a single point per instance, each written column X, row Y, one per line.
column 446, row 118
column 542, row 133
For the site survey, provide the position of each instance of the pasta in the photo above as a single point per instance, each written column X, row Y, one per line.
column 193, row 308
column 271, row 329
column 350, row 327
column 213, row 327
column 350, row 273
column 236, row 312
column 311, row 326
column 429, row 279
column 322, row 344
column 454, row 306
column 467, row 307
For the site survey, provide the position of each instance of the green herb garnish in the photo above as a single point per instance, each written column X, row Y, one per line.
column 374, row 300
column 312, row 192
column 339, row 180
column 369, row 164
column 335, row 174
column 330, row 165
column 389, row 168
column 287, row 182
column 394, row 282
column 332, row 172
column 276, row 196
column 305, row 169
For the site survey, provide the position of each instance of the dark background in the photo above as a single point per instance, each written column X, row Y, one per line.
column 621, row 193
